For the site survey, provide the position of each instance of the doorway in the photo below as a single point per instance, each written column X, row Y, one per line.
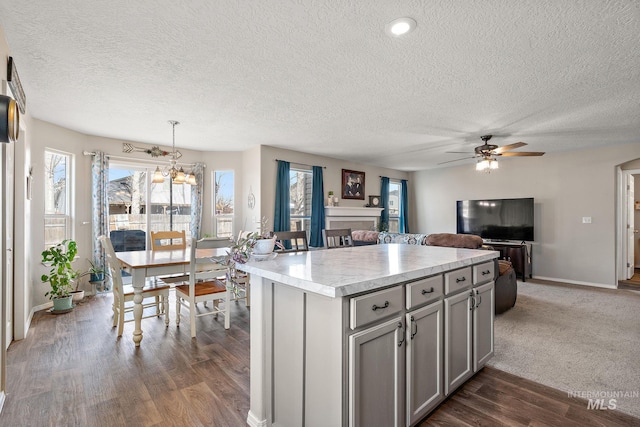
column 628, row 253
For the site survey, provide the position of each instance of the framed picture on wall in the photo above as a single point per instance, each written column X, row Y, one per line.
column 352, row 184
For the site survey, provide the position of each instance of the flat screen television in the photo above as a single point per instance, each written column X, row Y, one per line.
column 496, row 219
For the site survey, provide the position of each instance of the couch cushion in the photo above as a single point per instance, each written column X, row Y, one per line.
column 406, row 238
column 469, row 241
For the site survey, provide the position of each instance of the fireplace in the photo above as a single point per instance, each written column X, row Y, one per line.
column 353, row 218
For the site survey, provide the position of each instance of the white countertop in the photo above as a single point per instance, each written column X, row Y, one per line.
column 347, row 271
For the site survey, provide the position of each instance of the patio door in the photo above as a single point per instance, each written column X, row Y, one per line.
column 135, row 203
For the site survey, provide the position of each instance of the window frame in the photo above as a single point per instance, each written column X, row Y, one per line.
column 394, row 219
column 69, row 197
column 304, row 219
column 216, row 215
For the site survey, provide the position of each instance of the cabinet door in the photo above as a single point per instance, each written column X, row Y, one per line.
column 376, row 375
column 424, row 361
column 457, row 340
column 483, row 315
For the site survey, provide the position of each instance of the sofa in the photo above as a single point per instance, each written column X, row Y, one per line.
column 506, row 287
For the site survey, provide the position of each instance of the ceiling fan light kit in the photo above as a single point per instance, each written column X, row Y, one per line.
column 486, row 165
column 487, row 153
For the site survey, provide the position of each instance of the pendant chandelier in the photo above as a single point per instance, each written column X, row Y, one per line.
column 178, row 176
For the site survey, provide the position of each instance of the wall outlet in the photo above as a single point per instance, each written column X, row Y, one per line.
column 586, row 220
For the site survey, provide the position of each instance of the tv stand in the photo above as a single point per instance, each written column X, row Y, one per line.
column 518, row 253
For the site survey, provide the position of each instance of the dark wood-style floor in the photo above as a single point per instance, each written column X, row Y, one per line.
column 633, row 283
column 72, row 371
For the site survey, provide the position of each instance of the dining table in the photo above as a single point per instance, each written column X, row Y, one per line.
column 148, row 263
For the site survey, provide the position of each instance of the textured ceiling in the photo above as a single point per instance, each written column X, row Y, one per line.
column 321, row 76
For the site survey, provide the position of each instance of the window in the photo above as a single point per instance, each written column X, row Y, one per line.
column 223, row 196
column 300, row 192
column 57, row 217
column 137, row 204
column 394, row 206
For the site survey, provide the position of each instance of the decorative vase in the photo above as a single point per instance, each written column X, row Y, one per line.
column 77, row 296
column 62, row 303
column 264, row 246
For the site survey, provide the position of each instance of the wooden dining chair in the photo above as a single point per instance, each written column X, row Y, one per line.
column 204, row 285
column 168, row 240
column 296, row 239
column 240, row 289
column 123, row 294
column 338, row 238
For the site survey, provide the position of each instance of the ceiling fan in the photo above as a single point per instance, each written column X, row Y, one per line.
column 487, row 153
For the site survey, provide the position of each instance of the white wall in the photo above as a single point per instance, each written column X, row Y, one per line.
column 566, row 186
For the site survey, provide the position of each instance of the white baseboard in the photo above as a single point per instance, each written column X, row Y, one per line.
column 253, row 421
column 2, row 398
column 33, row 311
column 577, row 282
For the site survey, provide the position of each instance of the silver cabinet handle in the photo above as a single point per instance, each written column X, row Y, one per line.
column 401, row 327
column 414, row 327
column 380, row 307
column 479, row 298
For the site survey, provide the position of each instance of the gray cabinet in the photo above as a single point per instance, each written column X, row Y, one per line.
column 424, row 361
column 384, row 357
column 483, row 314
column 457, row 340
column 376, row 375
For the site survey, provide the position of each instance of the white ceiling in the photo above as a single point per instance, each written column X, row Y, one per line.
column 321, row 76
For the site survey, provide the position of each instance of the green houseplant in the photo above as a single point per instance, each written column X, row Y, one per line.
column 61, row 274
column 96, row 275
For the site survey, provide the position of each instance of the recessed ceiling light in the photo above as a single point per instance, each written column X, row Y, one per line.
column 400, row 27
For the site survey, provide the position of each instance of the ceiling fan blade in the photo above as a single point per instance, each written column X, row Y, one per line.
column 522, row 153
column 509, row 147
column 457, row 160
column 459, row 152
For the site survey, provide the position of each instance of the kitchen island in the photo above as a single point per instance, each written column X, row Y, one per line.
column 363, row 336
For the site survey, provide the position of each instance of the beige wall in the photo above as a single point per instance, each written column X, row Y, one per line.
column 566, row 186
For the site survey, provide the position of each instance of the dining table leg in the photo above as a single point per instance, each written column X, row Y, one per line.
column 138, row 277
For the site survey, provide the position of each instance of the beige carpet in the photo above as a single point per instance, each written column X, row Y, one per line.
column 573, row 338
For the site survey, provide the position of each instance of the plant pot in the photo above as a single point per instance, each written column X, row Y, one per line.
column 96, row 277
column 62, row 303
column 264, row 246
column 76, row 296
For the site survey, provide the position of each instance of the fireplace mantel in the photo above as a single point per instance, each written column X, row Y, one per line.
column 347, row 211
column 351, row 217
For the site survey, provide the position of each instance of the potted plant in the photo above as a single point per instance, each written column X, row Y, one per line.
column 61, row 275
column 96, row 275
column 262, row 242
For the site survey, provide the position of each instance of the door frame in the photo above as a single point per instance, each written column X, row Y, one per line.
column 621, row 205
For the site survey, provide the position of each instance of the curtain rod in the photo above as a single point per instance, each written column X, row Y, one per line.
column 395, row 179
column 130, row 159
column 298, row 164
